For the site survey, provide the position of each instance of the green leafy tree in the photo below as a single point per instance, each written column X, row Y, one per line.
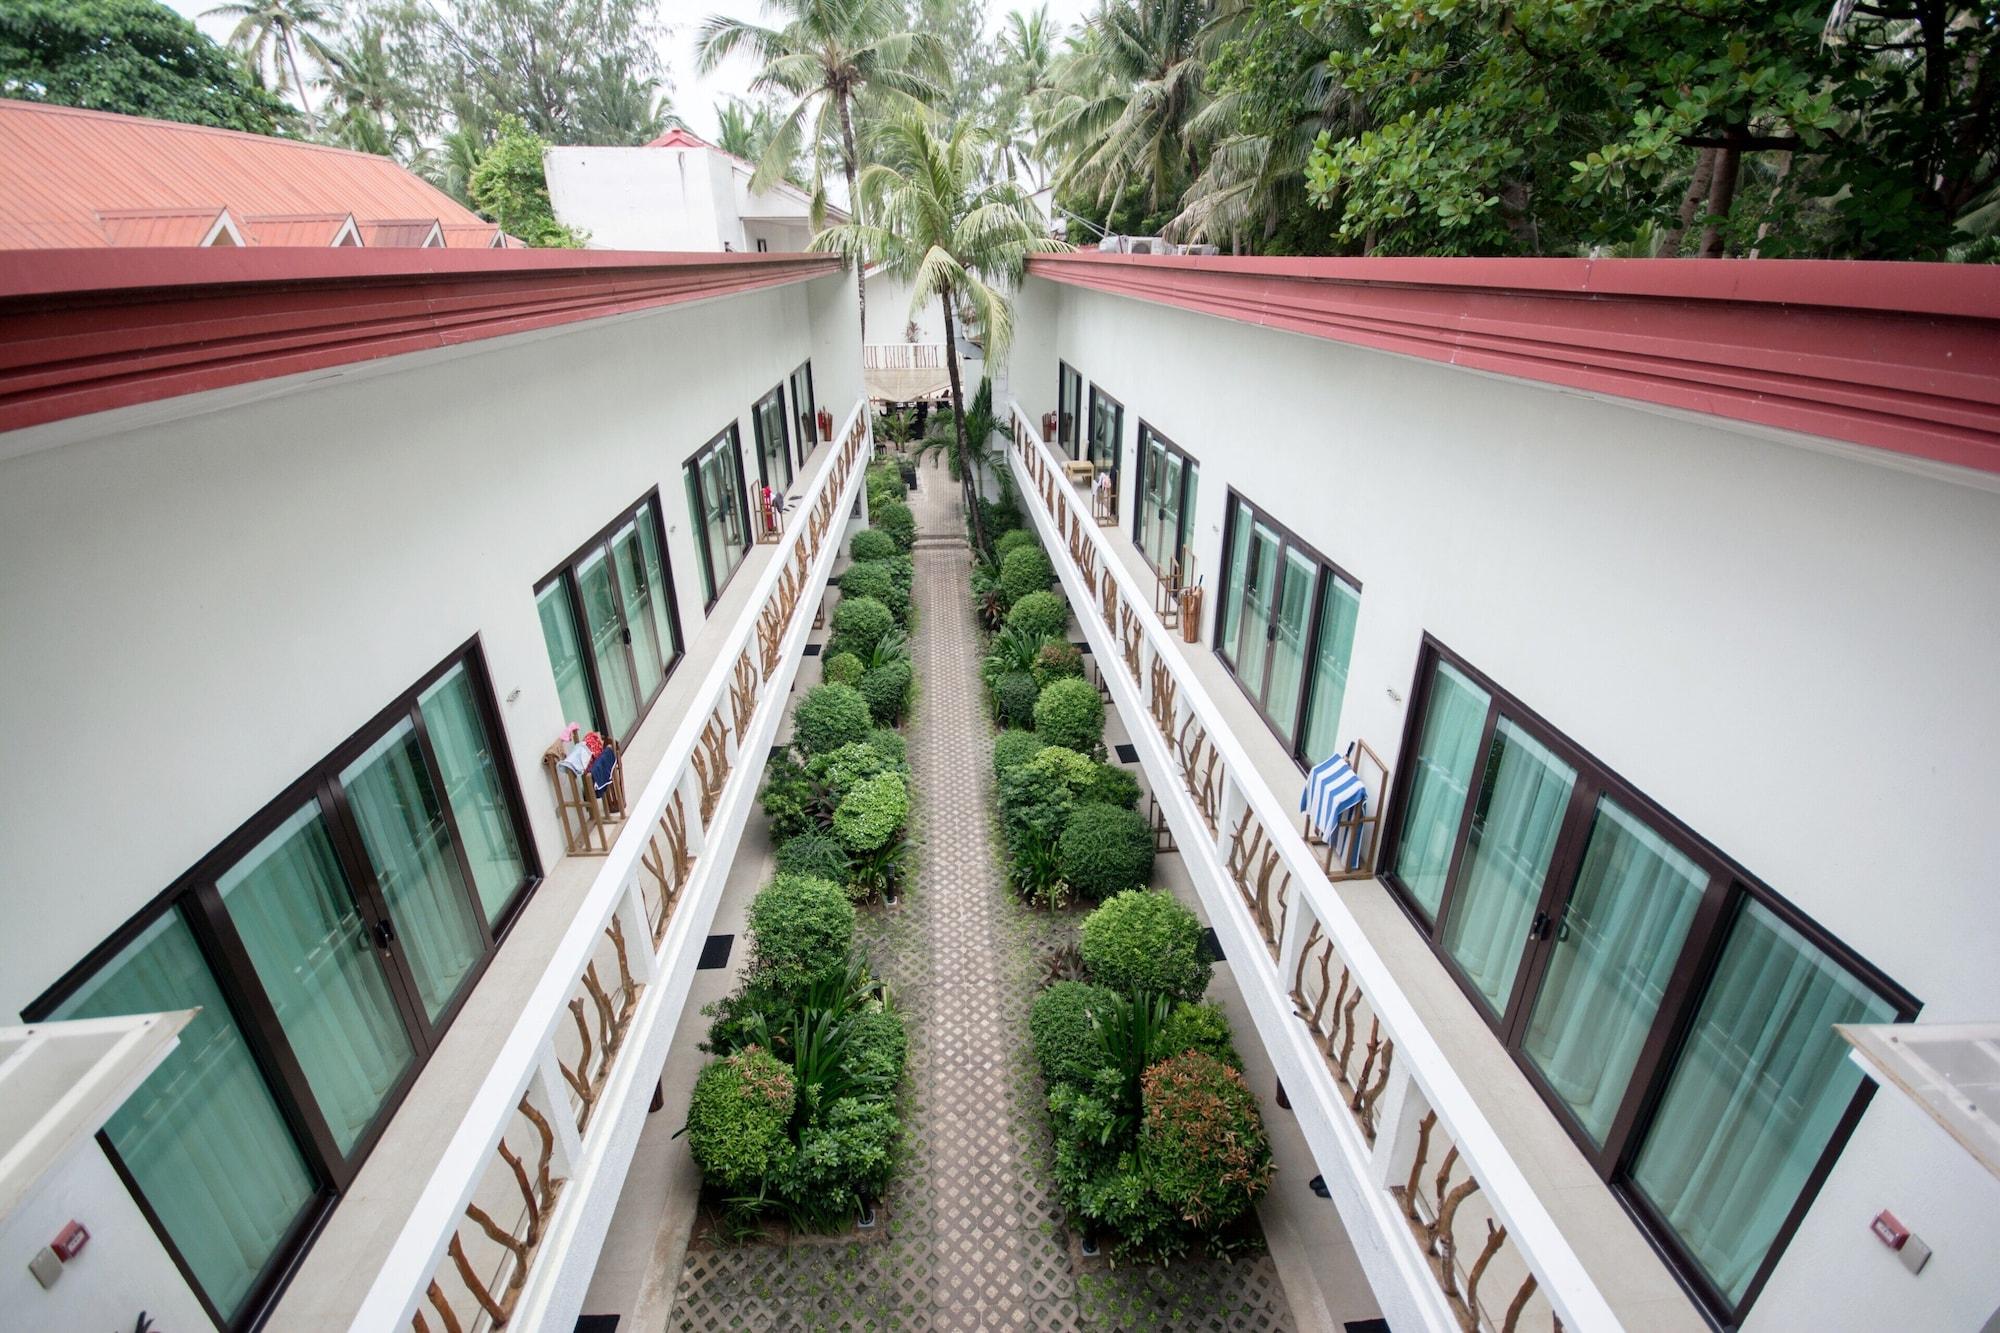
column 366, row 103
column 1026, row 63
column 823, row 55
column 134, row 57
column 927, row 214
column 509, row 187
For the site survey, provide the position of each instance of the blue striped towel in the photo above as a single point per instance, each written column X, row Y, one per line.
column 1332, row 789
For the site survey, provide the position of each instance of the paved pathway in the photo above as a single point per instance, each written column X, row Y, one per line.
column 974, row 1233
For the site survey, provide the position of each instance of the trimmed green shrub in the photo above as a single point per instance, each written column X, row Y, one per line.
column 840, row 769
column 1009, row 542
column 891, row 745
column 868, row 544
column 1012, row 748
column 859, row 623
column 1042, row 614
column 814, row 855
column 791, row 799
column 877, row 1047
column 1070, row 713
column 842, row 1161
column 873, row 813
column 874, row 578
column 1145, row 941
column 841, row 669
column 830, row 716
column 801, row 930
column 1010, row 650
column 887, row 690
column 1024, row 570
column 739, row 1119
column 1104, row 850
column 895, row 519
column 1203, row 1140
column 1014, row 696
column 1036, row 798
column 1056, row 659
column 1197, row 1027
column 1111, row 785
column 1066, row 1042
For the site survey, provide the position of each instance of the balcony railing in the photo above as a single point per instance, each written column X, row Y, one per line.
column 1406, row 1150
column 507, row 1227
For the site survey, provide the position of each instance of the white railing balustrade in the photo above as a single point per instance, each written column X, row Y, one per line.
column 538, row 1160
column 1405, row 1149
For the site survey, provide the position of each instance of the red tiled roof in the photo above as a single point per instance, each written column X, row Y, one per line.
column 62, row 171
column 679, row 138
column 159, row 226
column 295, row 229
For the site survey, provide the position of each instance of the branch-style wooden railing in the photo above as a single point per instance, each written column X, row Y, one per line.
column 1420, row 1160
column 471, row 1254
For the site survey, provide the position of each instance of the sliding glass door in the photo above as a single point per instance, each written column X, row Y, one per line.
column 610, row 624
column 328, row 944
column 805, row 411
column 1107, row 432
column 720, row 510
column 1165, row 512
column 1069, row 410
column 774, row 450
column 1674, row 1013
column 1286, row 629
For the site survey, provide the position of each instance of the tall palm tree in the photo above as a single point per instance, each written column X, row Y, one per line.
column 270, row 33
column 1126, row 93
column 924, row 209
column 364, row 101
column 823, row 54
column 1026, row 60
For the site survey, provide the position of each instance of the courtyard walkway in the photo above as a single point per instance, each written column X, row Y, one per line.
column 972, row 1236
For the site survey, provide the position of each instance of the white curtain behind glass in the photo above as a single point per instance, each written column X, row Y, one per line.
column 1620, row 937
column 202, row 1136
column 1754, row 1097
column 1446, row 752
column 1507, row 859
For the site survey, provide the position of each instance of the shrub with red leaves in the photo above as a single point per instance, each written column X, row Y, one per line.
column 1203, row 1140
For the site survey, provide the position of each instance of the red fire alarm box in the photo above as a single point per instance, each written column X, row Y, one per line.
column 1889, row 1231
column 69, row 1241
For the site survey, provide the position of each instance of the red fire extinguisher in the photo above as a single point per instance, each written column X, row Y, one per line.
column 825, row 424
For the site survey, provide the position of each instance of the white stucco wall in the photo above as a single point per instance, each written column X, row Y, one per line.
column 889, row 313
column 1789, row 649
column 645, row 198
column 122, row 1271
column 195, row 612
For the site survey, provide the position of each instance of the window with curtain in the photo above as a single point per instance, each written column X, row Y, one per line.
column 1069, row 399
column 1107, row 431
column 610, row 623
column 203, row 1138
column 1755, row 1096
column 774, row 450
column 1286, row 629
column 720, row 508
column 327, row 944
column 1577, row 916
column 805, row 410
column 1164, row 514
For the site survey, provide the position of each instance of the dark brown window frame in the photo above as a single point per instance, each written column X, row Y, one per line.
column 1085, row 437
column 194, row 897
column 579, row 623
column 1295, row 746
column 731, row 436
column 1068, row 427
column 1184, row 521
column 806, row 412
column 777, row 394
column 1730, row 888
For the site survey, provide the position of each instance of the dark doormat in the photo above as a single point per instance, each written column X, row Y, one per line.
column 1351, row 1326
column 1127, row 754
column 1211, row 945
column 715, row 953
column 598, row 1323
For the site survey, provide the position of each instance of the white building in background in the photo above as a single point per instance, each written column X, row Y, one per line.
column 678, row 192
column 1660, row 593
